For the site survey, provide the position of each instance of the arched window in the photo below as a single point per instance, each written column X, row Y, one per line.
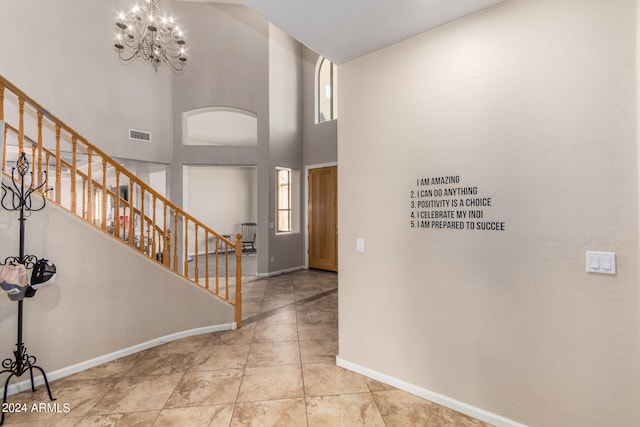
column 326, row 90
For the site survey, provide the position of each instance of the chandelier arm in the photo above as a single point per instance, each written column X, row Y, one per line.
column 177, row 55
column 175, row 67
column 167, row 37
column 130, row 45
column 128, row 59
column 153, row 38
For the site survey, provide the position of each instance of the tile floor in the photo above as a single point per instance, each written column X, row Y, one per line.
column 278, row 370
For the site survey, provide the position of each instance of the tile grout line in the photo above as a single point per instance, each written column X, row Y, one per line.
column 376, row 404
column 109, row 389
column 262, row 316
column 244, row 370
column 304, row 390
column 191, row 365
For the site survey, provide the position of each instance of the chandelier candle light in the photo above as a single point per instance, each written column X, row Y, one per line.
column 150, row 36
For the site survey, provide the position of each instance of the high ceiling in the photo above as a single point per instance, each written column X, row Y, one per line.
column 342, row 30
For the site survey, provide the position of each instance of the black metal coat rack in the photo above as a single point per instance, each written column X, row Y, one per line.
column 18, row 197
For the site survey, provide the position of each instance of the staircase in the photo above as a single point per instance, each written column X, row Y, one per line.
column 96, row 188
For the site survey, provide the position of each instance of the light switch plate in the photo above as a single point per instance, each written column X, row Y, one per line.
column 601, row 262
column 360, row 245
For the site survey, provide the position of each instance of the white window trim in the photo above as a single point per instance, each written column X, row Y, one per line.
column 318, row 92
column 289, row 204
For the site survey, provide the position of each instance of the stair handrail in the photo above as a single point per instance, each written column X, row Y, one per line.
column 164, row 237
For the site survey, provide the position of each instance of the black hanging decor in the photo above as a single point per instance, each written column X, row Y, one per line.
column 18, row 197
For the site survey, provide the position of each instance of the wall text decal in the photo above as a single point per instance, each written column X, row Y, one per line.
column 445, row 202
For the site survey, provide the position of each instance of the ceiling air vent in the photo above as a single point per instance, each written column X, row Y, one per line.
column 138, row 135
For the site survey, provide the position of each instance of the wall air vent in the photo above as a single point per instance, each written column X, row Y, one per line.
column 138, row 135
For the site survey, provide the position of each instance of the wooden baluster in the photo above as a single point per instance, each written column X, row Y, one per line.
column 186, row 247
column 131, row 211
column 238, row 296
column 226, row 271
column 147, row 246
column 217, row 266
column 103, row 208
column 128, row 219
column 39, row 168
column 1, row 102
column 58, row 196
column 89, row 205
column 142, row 219
column 116, row 204
column 164, row 217
column 74, row 170
column 84, row 198
column 153, row 229
column 196, row 277
column 206, row 258
column 4, row 148
column 47, row 158
column 4, row 130
column 166, row 250
column 175, row 241
column 124, row 222
column 21, row 126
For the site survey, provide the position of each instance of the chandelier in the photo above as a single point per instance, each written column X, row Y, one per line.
column 152, row 37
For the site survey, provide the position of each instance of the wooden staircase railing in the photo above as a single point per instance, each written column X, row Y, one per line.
column 100, row 191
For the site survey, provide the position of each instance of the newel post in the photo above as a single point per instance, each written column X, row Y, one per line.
column 238, row 297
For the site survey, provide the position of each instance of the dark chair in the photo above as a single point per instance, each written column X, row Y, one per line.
column 249, row 236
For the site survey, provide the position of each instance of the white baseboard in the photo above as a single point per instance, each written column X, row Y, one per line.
column 69, row 370
column 438, row 398
column 279, row 272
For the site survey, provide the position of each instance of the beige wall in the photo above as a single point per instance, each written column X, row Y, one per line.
column 61, row 54
column 285, row 143
column 210, row 187
column 105, row 297
column 228, row 67
column 533, row 103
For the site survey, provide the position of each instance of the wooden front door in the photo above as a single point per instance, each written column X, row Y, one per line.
column 323, row 218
